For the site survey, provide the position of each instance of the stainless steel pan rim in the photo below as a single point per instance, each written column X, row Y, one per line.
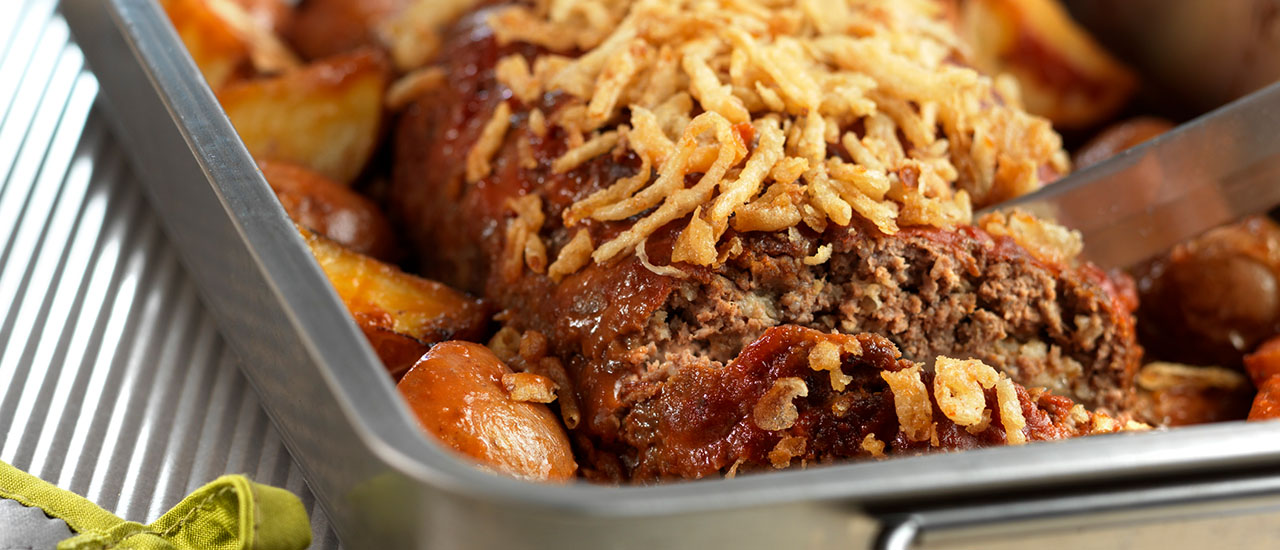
column 368, row 402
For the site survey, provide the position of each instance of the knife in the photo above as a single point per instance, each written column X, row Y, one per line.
column 1205, row 173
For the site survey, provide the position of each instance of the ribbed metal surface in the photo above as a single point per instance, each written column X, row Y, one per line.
column 114, row 382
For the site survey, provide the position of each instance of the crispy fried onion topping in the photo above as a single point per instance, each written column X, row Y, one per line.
column 775, row 409
column 530, row 387
column 874, row 446
column 1159, row 375
column 1045, row 240
column 487, row 145
column 523, row 245
column 767, row 114
column 1010, row 412
column 960, row 389
column 911, row 402
column 958, row 386
column 787, row 448
column 825, row 356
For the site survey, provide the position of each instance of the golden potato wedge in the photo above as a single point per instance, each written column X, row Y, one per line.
column 398, row 352
column 379, row 294
column 275, row 15
column 1064, row 74
column 1264, row 363
column 332, row 210
column 1263, row 366
column 267, row 51
column 326, row 116
column 214, row 44
column 457, row 393
column 322, row 28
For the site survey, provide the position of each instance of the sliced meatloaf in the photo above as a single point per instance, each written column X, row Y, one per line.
column 632, row 333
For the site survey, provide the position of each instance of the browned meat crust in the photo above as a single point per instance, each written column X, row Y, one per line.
column 626, row 334
column 704, row 418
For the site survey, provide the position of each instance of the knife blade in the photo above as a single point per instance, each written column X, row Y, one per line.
column 1205, row 173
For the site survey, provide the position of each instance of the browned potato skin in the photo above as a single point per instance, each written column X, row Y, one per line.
column 214, row 45
column 322, row 28
column 457, row 394
column 270, row 14
column 1263, row 366
column 398, row 352
column 380, row 295
column 331, row 209
column 1118, row 137
column 326, row 116
column 1064, row 75
column 1215, row 298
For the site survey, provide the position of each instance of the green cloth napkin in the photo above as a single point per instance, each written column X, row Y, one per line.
column 231, row 513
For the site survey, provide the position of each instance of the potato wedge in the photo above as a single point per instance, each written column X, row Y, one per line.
column 267, row 51
column 1266, row 405
column 275, row 15
column 331, row 209
column 380, row 295
column 322, row 28
column 1264, row 363
column 215, row 45
column 456, row 391
column 1263, row 366
column 398, row 352
column 326, row 116
column 1064, row 74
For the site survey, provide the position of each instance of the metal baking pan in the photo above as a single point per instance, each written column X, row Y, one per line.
column 385, row 485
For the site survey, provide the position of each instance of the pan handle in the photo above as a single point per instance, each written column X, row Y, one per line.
column 898, row 534
column 1238, row 512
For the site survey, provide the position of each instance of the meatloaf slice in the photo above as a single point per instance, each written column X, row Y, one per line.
column 626, row 333
column 798, row 395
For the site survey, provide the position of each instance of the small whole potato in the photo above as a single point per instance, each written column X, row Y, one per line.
column 1214, row 298
column 1118, row 137
column 322, row 28
column 331, row 209
column 456, row 391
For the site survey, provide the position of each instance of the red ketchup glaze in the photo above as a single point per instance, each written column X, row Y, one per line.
column 705, row 415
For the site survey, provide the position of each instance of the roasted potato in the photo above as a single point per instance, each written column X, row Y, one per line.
column 399, row 312
column 398, row 352
column 331, row 209
column 1263, row 366
column 267, row 51
column 322, row 28
column 386, row 296
column 326, row 116
column 214, row 44
column 1063, row 73
column 457, row 393
column 275, row 15
column 1118, row 137
column 1213, row 299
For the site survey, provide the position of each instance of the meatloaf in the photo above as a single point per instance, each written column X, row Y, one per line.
column 638, row 333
